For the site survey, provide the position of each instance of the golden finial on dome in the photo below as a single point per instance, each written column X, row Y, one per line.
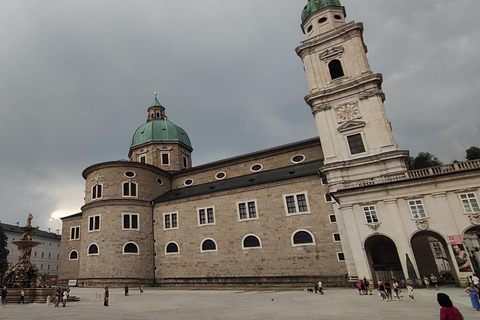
column 155, row 92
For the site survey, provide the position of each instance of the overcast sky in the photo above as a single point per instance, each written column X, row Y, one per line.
column 77, row 76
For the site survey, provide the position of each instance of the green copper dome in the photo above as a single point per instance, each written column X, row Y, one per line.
column 316, row 5
column 161, row 130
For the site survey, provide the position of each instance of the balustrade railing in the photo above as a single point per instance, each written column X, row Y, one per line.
column 413, row 174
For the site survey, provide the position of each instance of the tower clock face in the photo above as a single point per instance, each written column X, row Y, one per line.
column 347, row 112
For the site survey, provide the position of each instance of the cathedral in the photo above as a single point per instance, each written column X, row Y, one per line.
column 335, row 208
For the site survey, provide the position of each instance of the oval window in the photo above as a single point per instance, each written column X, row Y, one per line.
column 160, row 182
column 322, row 20
column 129, row 174
column 298, row 158
column 309, row 28
column 220, row 175
column 256, row 167
column 337, row 16
column 188, row 182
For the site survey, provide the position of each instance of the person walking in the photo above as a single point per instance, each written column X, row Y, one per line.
column 22, row 297
column 427, row 282
column 434, row 280
column 141, row 289
column 410, row 292
column 396, row 289
column 106, row 295
column 4, row 296
column 320, row 287
column 126, row 289
column 473, row 292
column 64, row 297
column 57, row 297
column 367, row 286
column 447, row 310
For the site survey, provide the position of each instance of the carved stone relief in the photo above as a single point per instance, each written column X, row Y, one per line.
column 374, row 226
column 422, row 224
column 96, row 177
column 320, row 107
column 474, row 219
column 331, row 54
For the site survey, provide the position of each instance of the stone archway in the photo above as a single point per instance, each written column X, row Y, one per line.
column 471, row 242
column 432, row 256
column 383, row 258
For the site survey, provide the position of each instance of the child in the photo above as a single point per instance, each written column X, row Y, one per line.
column 410, row 292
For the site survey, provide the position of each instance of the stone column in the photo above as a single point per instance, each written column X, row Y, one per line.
column 354, row 252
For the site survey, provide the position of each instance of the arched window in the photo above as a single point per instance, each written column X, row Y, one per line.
column 251, row 241
column 336, row 70
column 129, row 189
column 171, row 248
column 130, row 248
column 209, row 245
column 302, row 237
column 93, row 249
column 73, row 255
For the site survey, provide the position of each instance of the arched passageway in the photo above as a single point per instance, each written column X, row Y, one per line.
column 432, row 256
column 471, row 243
column 383, row 258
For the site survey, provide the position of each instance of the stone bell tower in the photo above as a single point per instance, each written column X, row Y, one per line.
column 346, row 98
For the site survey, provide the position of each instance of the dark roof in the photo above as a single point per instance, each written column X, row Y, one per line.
column 294, row 171
column 36, row 232
column 247, row 155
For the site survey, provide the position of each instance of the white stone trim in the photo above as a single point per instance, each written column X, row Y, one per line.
column 204, row 251
column 251, row 248
column 296, row 203
column 93, row 254
column 171, row 220
column 70, row 254
column 313, row 243
column 131, row 253
column 206, row 217
column 248, row 213
column 130, row 214
column 172, row 253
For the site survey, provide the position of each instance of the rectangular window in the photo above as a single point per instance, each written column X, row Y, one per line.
column 340, row 256
column 206, row 216
column 416, row 207
column 469, row 202
column 170, row 220
column 165, row 158
column 336, row 237
column 130, row 221
column 93, row 223
column 324, row 181
column 437, row 247
column 247, row 210
column 129, row 189
column 49, row 255
column 328, row 197
column 296, row 203
column 43, row 255
column 97, row 191
column 333, row 218
column 74, row 233
column 185, row 162
column 142, row 158
column 370, row 214
column 355, row 143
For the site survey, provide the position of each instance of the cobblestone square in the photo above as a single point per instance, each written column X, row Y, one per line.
column 337, row 303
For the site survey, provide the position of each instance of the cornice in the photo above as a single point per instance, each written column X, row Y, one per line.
column 346, row 85
column 350, row 30
column 116, row 202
